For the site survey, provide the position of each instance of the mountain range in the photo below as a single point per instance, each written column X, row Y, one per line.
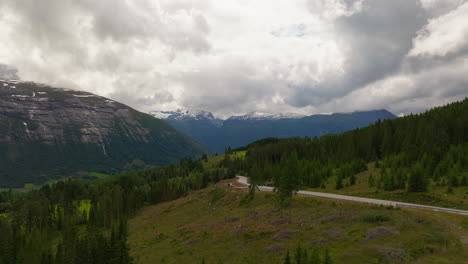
column 236, row 131
column 48, row 133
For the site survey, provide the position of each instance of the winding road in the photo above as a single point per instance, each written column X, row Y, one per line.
column 244, row 181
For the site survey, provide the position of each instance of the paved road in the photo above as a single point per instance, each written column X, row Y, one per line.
column 244, row 181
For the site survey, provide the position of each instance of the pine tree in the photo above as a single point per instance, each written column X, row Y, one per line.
column 339, row 182
column 287, row 258
column 315, row 257
column 352, row 180
column 416, row 182
column 287, row 179
column 371, row 181
column 327, row 258
column 228, row 151
column 298, row 257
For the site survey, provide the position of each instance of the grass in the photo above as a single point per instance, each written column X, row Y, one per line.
column 215, row 160
column 97, row 175
column 201, row 226
column 85, row 207
column 239, row 154
column 373, row 216
column 436, row 196
column 217, row 194
column 31, row 187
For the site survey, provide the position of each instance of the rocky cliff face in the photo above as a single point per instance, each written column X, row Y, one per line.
column 58, row 120
column 46, row 113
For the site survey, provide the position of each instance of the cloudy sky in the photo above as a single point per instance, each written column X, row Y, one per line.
column 237, row 56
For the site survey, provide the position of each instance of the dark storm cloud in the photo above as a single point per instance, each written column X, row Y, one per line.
column 375, row 40
column 241, row 56
column 231, row 84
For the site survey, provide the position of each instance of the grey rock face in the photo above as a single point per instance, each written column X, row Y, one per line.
column 56, row 116
column 48, row 133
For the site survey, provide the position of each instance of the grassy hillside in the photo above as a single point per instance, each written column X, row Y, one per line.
column 441, row 196
column 212, row 225
column 418, row 158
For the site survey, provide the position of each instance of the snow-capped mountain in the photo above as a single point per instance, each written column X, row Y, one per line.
column 183, row 114
column 265, row 116
column 237, row 131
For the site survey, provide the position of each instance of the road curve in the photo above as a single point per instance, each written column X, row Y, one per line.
column 244, row 181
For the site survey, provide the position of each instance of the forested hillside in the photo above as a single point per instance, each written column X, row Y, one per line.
column 78, row 221
column 413, row 153
column 86, row 222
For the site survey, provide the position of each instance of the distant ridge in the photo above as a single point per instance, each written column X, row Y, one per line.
column 237, row 131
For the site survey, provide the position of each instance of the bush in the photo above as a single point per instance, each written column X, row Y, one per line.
column 374, row 217
column 217, row 194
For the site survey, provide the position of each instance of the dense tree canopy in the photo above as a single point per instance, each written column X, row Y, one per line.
column 86, row 222
column 412, row 151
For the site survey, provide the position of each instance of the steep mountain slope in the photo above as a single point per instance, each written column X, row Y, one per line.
column 238, row 131
column 48, row 133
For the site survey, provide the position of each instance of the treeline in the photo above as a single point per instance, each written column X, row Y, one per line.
column 412, row 152
column 303, row 256
column 86, row 221
column 300, row 255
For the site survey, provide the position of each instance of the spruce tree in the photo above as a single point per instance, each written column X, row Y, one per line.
column 352, row 180
column 416, row 182
column 287, row 258
column 339, row 182
column 327, row 258
column 371, row 181
column 298, row 256
column 315, row 257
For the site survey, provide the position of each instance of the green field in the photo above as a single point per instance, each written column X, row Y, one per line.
column 97, row 175
column 212, row 225
column 85, row 207
column 215, row 160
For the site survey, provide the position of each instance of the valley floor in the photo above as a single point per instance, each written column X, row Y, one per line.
column 211, row 224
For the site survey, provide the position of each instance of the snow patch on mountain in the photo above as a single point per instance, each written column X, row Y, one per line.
column 266, row 116
column 161, row 114
column 183, row 114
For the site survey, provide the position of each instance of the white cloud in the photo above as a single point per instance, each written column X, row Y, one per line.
column 443, row 35
column 333, row 9
column 409, row 92
column 439, row 7
column 237, row 56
